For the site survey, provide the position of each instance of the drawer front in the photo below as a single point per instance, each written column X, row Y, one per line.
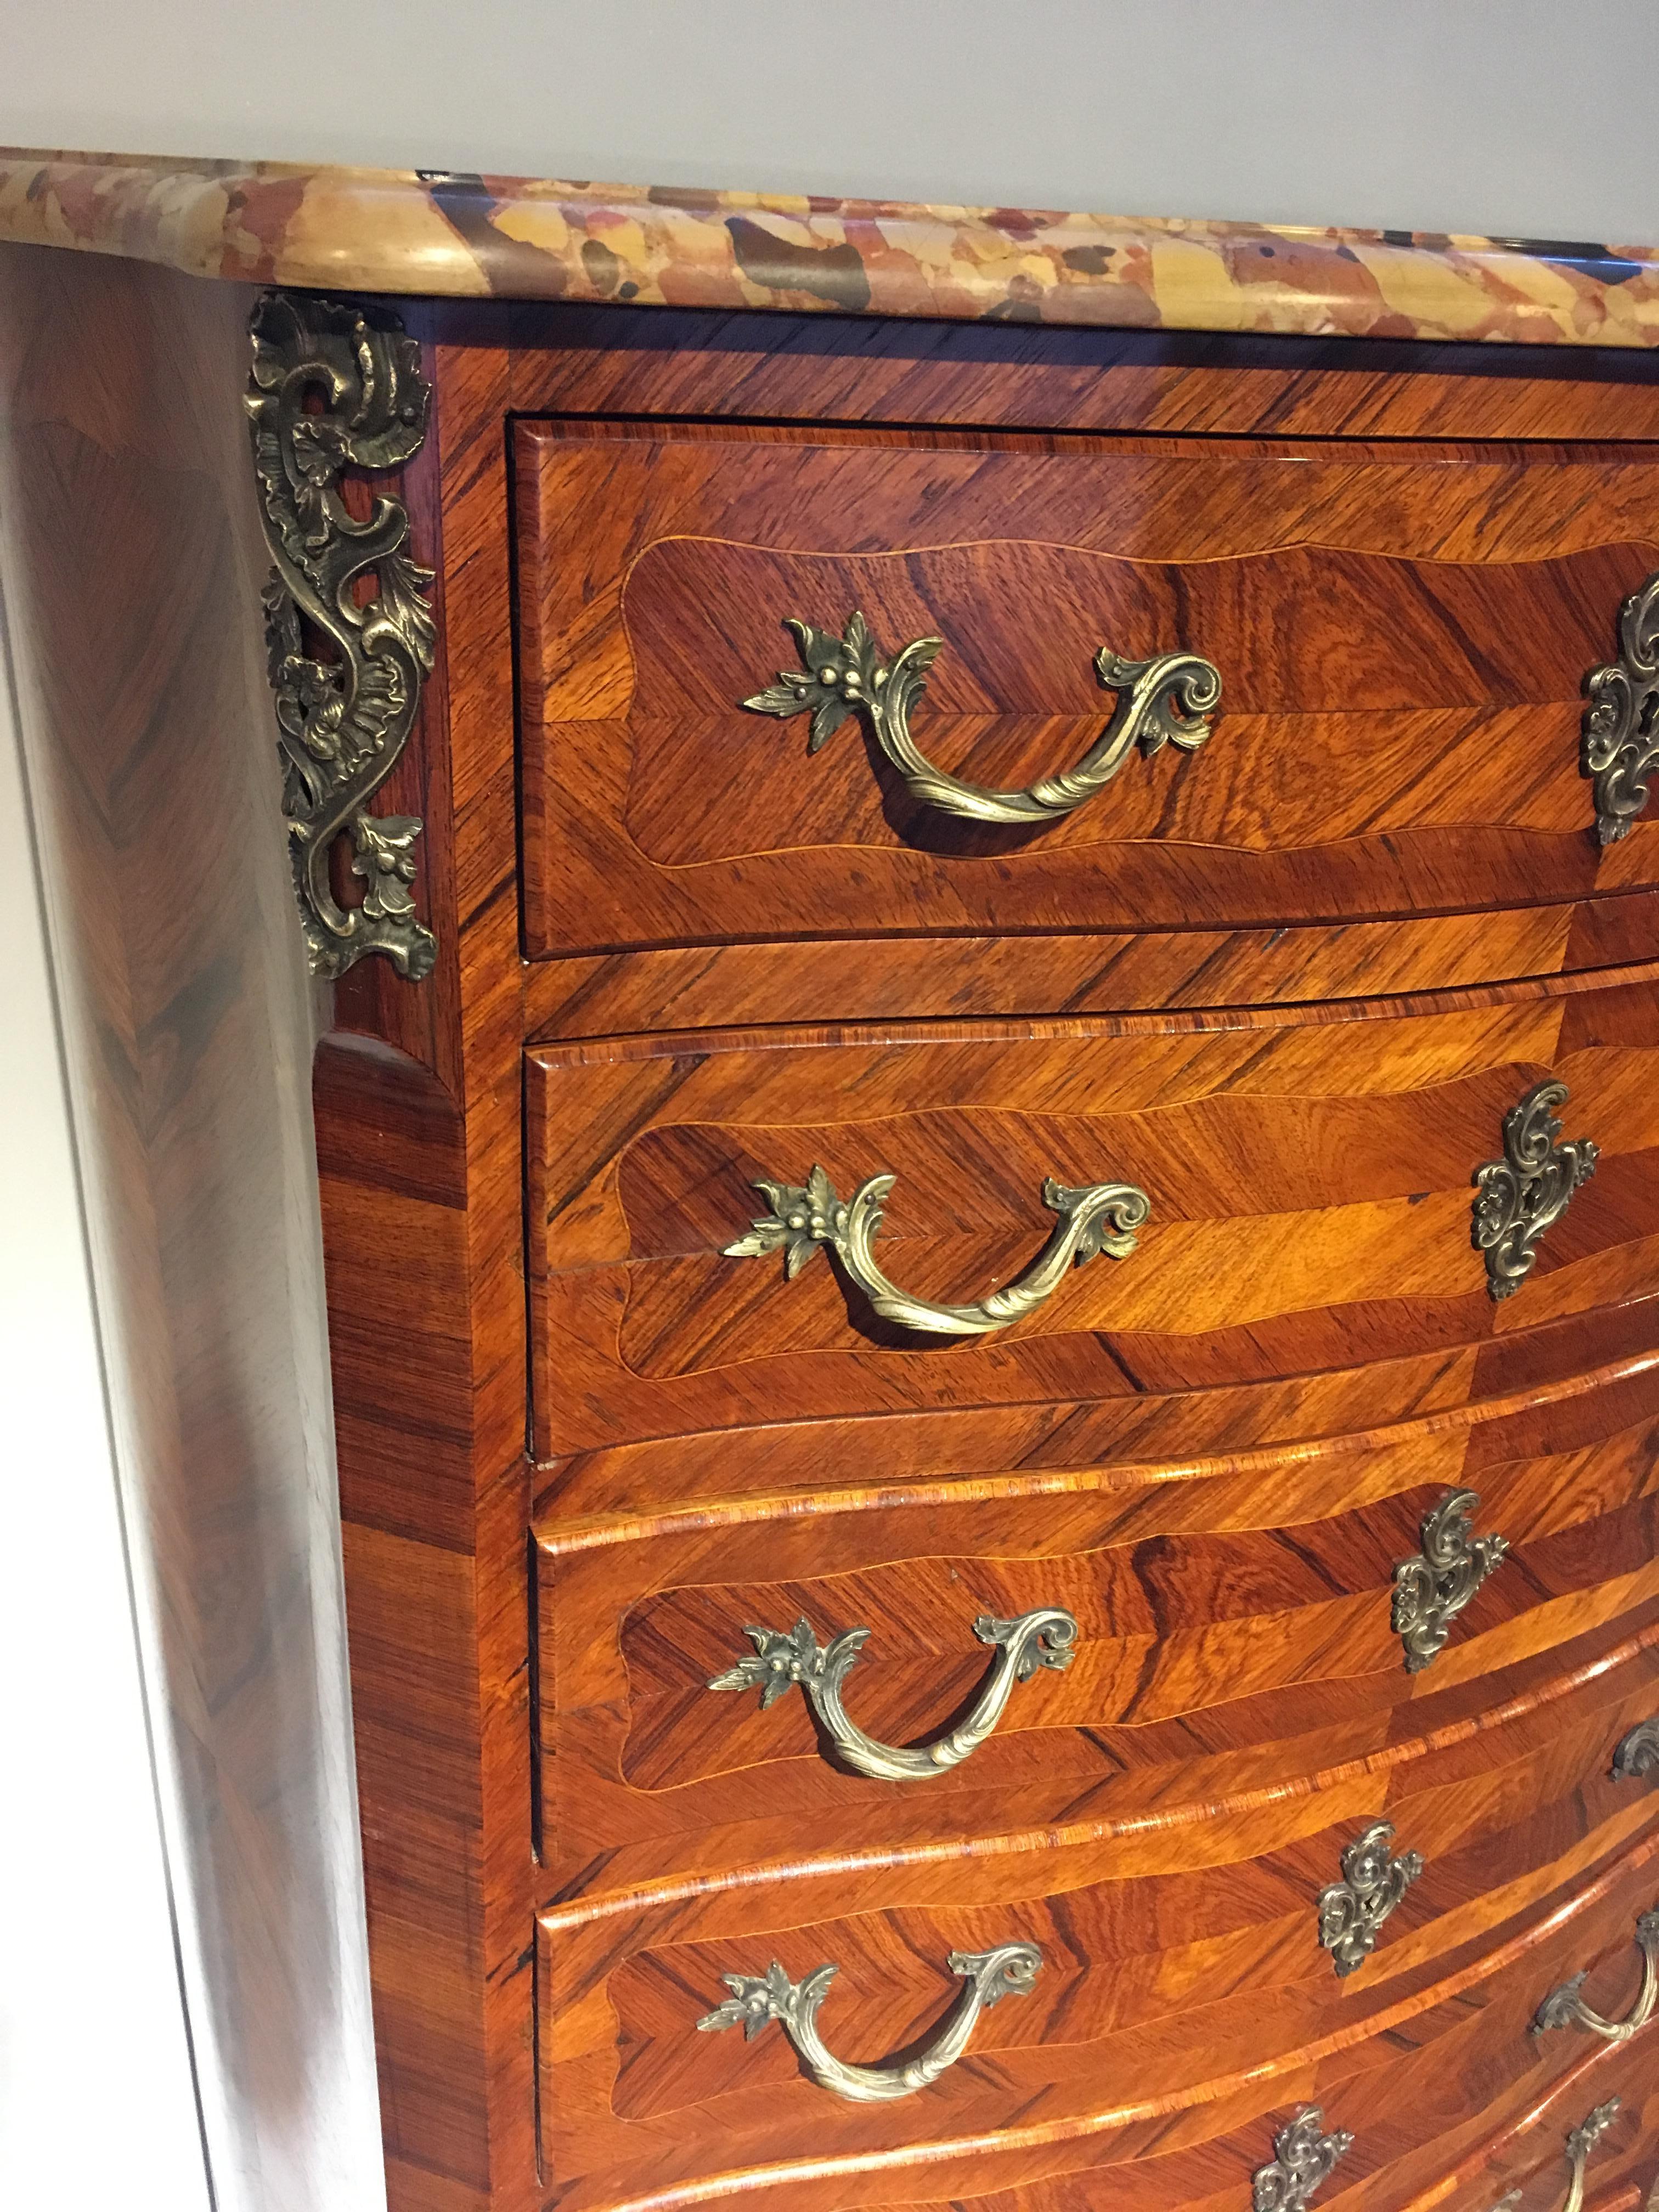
column 1161, row 2014
column 1189, row 1641
column 1309, row 1186
column 1402, row 637
column 1598, row 2118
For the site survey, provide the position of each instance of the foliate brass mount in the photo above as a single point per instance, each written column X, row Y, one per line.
column 779, row 1662
column 1620, row 746
column 1352, row 1911
column 1303, row 2158
column 756, row 2000
column 1636, row 1754
column 1579, row 2144
column 1520, row 1196
column 1168, row 700
column 1432, row 1588
column 1565, row 2007
column 342, row 723
column 806, row 1215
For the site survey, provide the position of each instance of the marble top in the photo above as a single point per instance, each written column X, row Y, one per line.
column 442, row 232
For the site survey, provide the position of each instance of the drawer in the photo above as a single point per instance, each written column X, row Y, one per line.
column 1600, row 2116
column 1402, row 637
column 1165, row 2017
column 1189, row 1642
column 1308, row 1182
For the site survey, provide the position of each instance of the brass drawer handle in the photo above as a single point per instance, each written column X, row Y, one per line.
column 1304, row 2156
column 806, row 1215
column 779, row 1662
column 1636, row 1754
column 1430, row 1590
column 1565, row 2007
column 1168, row 700
column 1009, row 1971
column 1526, row 1192
column 1579, row 2145
column 1352, row 1911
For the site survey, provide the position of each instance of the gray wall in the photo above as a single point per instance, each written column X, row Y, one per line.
column 1512, row 117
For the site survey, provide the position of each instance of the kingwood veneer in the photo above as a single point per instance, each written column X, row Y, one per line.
column 642, row 949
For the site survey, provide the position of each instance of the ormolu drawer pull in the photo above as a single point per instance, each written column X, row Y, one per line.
column 1565, row 2007
column 804, row 1216
column 1430, row 1590
column 1636, row 1754
column 1526, row 1192
column 1167, row 699
column 1352, row 1911
column 1042, row 1638
column 1579, row 2145
column 1303, row 2158
column 1009, row 1971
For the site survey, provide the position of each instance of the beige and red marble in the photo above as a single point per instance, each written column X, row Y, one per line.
column 442, row 232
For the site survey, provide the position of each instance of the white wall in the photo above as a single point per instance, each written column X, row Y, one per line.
column 96, row 2102
column 1503, row 116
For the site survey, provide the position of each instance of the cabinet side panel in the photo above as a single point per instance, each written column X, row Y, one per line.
column 132, row 566
column 418, row 1129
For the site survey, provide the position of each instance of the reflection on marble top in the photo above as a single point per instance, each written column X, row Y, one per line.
column 441, row 232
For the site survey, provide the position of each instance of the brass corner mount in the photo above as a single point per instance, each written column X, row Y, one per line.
column 343, row 721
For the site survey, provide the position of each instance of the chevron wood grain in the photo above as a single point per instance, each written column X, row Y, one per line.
column 1290, row 985
column 1294, row 997
column 1032, row 2103
column 1403, row 635
column 1310, row 1203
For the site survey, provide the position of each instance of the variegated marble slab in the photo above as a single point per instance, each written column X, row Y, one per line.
column 442, row 232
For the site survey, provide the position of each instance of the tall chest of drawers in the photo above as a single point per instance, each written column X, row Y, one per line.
column 989, row 1148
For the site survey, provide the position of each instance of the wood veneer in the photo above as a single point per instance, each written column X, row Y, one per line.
column 1310, row 1189
column 1516, row 2137
column 131, row 562
column 1291, row 988
column 1388, row 2057
column 1403, row 635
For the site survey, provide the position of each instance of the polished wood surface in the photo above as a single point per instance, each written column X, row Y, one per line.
column 1449, row 2158
column 1291, row 985
column 1314, row 969
column 1174, row 1621
column 130, row 562
column 1394, row 2056
column 590, row 361
column 418, row 1125
column 1403, row 635
column 1310, row 1191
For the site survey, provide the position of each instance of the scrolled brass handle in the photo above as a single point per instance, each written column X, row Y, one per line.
column 1167, row 699
column 806, row 1215
column 756, row 2000
column 779, row 1663
column 1565, row 2007
column 1636, row 1753
column 1580, row 2143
